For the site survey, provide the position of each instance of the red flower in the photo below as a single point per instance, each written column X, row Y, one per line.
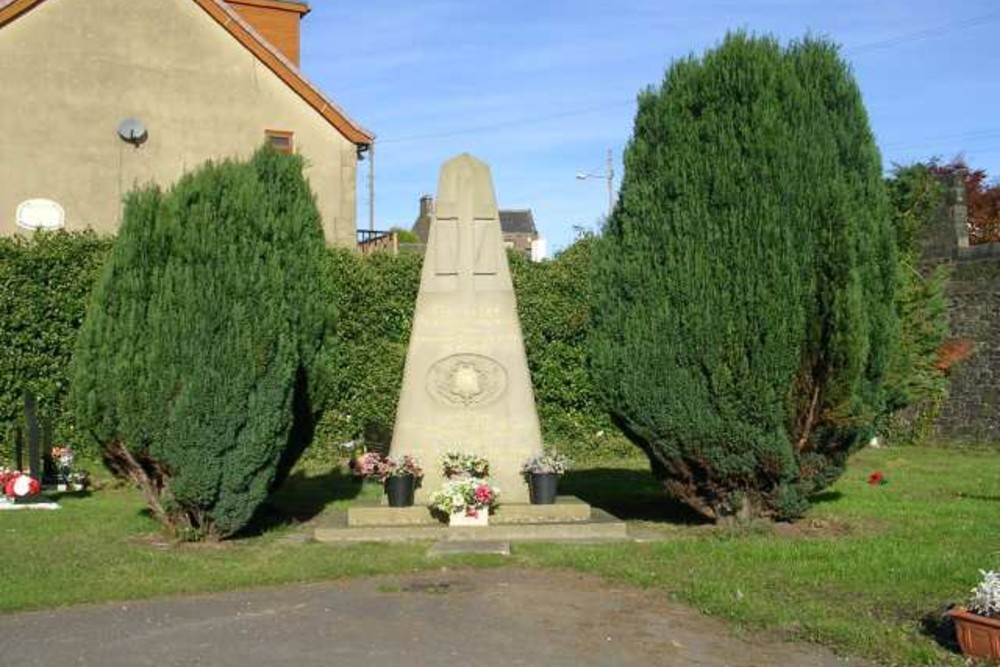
column 483, row 494
column 876, row 478
column 21, row 485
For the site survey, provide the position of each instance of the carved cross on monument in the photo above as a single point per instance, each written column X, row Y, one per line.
column 466, row 386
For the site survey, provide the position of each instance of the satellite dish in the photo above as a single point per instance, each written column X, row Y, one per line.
column 133, row 131
column 35, row 214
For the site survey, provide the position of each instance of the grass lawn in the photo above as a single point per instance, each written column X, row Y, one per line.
column 868, row 572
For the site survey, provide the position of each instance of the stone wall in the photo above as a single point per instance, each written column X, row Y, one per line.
column 972, row 411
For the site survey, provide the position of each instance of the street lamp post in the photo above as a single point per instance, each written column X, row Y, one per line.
column 609, row 176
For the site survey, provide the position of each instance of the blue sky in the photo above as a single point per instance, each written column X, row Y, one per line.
column 541, row 90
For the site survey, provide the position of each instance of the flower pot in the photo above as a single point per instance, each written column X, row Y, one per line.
column 979, row 636
column 463, row 518
column 399, row 490
column 543, row 487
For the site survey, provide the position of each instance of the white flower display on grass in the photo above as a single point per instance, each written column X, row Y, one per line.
column 985, row 599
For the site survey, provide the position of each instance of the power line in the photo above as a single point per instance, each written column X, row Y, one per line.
column 917, row 35
column 512, row 123
column 924, row 33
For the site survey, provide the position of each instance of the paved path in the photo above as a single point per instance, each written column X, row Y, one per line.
column 472, row 618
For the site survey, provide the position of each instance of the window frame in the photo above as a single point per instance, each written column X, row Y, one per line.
column 288, row 135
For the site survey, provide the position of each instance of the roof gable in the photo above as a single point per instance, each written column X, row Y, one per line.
column 264, row 51
column 517, row 221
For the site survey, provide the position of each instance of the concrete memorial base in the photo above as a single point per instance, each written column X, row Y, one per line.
column 566, row 509
column 569, row 520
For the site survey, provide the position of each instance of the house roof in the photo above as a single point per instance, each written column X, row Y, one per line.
column 254, row 42
column 517, row 221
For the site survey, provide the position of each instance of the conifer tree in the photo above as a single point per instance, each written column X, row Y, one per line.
column 743, row 285
column 196, row 367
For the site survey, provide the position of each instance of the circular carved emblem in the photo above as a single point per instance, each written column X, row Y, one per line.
column 466, row 380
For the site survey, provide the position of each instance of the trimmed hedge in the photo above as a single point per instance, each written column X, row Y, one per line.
column 45, row 280
column 379, row 292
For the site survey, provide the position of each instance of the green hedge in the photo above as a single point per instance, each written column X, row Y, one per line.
column 45, row 281
column 553, row 301
column 379, row 292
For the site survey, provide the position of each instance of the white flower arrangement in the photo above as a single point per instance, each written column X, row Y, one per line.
column 985, row 599
column 467, row 495
column 456, row 464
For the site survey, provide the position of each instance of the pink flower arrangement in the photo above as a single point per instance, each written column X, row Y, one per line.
column 374, row 465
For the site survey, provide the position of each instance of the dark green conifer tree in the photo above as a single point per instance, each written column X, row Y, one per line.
column 743, row 285
column 197, row 365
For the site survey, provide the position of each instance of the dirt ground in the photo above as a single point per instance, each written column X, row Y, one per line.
column 447, row 617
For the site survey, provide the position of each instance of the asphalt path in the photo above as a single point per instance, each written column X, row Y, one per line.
column 498, row 617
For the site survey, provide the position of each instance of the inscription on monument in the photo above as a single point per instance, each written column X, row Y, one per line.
column 466, row 380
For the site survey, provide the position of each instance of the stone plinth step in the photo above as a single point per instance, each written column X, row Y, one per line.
column 566, row 509
column 452, row 547
column 600, row 528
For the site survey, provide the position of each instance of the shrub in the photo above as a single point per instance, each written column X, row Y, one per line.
column 743, row 299
column 197, row 365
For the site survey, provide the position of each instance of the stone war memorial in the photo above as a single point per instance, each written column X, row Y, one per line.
column 466, row 385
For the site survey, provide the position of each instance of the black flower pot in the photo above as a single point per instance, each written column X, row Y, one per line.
column 400, row 490
column 543, row 487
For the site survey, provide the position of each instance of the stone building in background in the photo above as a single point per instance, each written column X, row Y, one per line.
column 517, row 227
column 98, row 96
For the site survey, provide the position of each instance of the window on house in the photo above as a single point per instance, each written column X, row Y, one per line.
column 282, row 140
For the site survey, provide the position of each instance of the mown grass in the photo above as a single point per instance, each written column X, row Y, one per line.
column 868, row 572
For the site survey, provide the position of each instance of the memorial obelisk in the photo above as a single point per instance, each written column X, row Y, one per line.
column 466, row 386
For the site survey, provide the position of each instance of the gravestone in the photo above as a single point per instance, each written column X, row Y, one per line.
column 466, row 385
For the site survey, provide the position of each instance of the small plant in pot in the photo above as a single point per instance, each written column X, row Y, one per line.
column 399, row 476
column 543, row 474
column 978, row 623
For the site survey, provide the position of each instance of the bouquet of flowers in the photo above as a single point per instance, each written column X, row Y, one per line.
column 375, row 466
column 62, row 459
column 403, row 466
column 545, row 464
column 467, row 495
column 457, row 464
column 367, row 465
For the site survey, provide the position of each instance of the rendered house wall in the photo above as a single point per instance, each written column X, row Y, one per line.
column 71, row 70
